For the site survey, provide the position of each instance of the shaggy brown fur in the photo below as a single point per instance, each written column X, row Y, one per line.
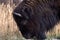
column 35, row 17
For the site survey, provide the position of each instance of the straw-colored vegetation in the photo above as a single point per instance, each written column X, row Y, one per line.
column 54, row 33
column 8, row 27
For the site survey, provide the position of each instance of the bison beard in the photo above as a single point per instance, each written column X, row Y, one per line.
column 35, row 17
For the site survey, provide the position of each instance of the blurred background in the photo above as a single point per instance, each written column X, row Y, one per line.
column 8, row 27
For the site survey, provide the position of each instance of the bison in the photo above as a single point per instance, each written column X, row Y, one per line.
column 35, row 17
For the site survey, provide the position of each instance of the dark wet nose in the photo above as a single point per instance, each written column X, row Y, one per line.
column 28, row 36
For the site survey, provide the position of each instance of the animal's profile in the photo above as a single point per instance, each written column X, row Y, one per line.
column 35, row 17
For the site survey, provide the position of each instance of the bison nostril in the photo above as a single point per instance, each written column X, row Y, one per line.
column 28, row 36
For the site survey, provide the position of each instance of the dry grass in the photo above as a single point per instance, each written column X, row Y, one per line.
column 8, row 27
column 6, row 19
column 54, row 33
